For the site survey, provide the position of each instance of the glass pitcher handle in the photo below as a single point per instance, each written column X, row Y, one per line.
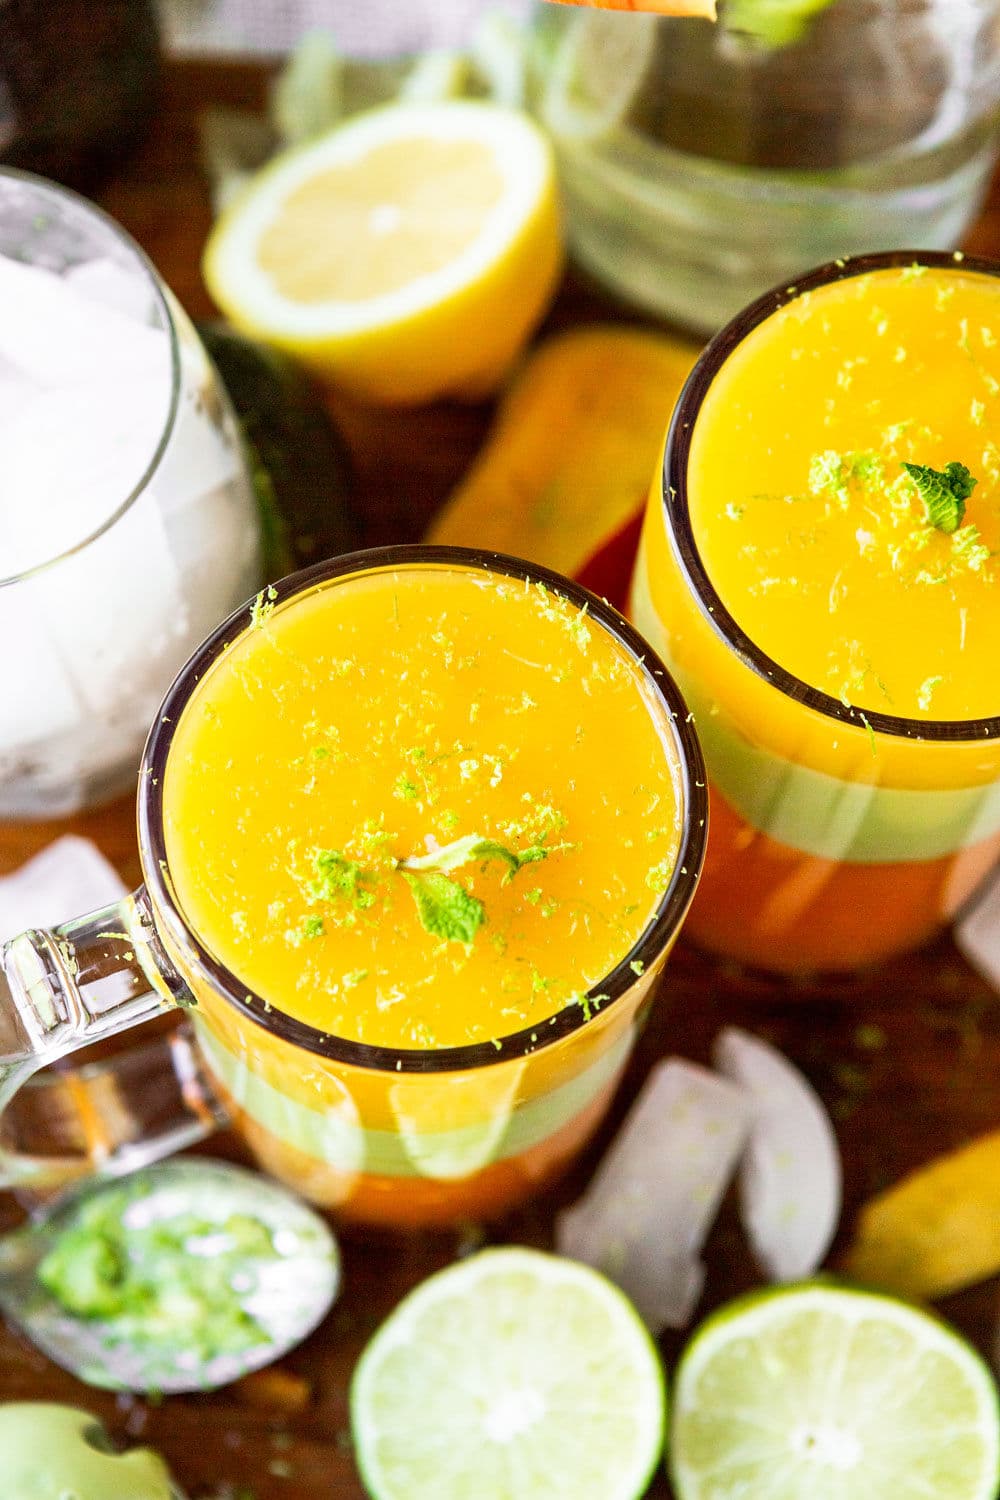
column 65, row 988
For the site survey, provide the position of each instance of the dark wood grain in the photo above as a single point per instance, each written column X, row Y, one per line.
column 930, row 1081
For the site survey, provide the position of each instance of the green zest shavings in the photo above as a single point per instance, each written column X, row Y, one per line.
column 445, row 908
column 944, row 494
column 169, row 1283
column 262, row 607
column 831, row 474
column 340, row 878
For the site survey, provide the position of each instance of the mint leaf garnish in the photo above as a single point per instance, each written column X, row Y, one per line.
column 471, row 849
column 445, row 908
column 944, row 494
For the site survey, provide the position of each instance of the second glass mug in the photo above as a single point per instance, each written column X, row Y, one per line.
column 321, row 1113
column 839, row 838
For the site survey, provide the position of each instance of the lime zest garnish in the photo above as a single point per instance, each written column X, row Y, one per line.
column 445, row 908
column 262, row 607
column 926, row 691
column 147, row 1282
column 944, row 493
column 337, row 877
column 968, row 547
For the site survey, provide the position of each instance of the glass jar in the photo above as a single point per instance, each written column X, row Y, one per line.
column 704, row 164
column 128, row 522
column 841, row 834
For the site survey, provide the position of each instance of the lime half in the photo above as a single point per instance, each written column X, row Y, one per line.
column 821, row 1392
column 512, row 1374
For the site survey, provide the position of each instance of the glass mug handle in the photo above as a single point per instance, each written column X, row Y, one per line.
column 65, row 988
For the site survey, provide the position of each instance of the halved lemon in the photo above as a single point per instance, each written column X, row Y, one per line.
column 405, row 255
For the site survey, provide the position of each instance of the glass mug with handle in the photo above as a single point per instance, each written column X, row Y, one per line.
column 338, row 695
column 832, row 625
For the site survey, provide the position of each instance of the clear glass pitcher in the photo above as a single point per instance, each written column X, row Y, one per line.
column 382, row 1134
column 703, row 164
column 128, row 521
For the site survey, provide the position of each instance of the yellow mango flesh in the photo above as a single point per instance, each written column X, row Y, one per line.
column 381, row 716
column 811, row 531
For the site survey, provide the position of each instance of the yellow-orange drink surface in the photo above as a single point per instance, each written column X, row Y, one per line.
column 414, row 810
column 821, row 569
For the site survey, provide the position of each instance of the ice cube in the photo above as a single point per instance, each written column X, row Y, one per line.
column 16, row 391
column 67, row 879
column 57, row 336
column 111, row 284
column 656, row 1191
column 215, row 544
column 72, row 457
column 116, row 612
column 37, row 701
column 790, row 1179
column 978, row 934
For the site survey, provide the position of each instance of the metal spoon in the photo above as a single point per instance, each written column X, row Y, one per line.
column 287, row 1296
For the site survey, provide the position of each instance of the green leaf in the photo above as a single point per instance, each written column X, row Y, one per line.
column 445, row 908
column 471, row 849
column 943, row 493
column 772, row 23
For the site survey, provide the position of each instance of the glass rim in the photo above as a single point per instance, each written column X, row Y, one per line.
column 57, row 190
column 661, row 928
column 676, row 509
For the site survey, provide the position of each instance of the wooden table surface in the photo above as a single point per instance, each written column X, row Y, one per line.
column 907, row 1058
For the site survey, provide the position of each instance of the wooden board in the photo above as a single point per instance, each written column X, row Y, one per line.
column 907, row 1058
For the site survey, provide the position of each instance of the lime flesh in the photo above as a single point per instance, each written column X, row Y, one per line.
column 820, row 1392
column 511, row 1376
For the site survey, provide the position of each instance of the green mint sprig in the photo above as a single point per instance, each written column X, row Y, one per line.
column 474, row 849
column 944, row 493
column 445, row 908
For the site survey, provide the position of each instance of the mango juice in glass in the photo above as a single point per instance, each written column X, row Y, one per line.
column 418, row 831
column 820, row 569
